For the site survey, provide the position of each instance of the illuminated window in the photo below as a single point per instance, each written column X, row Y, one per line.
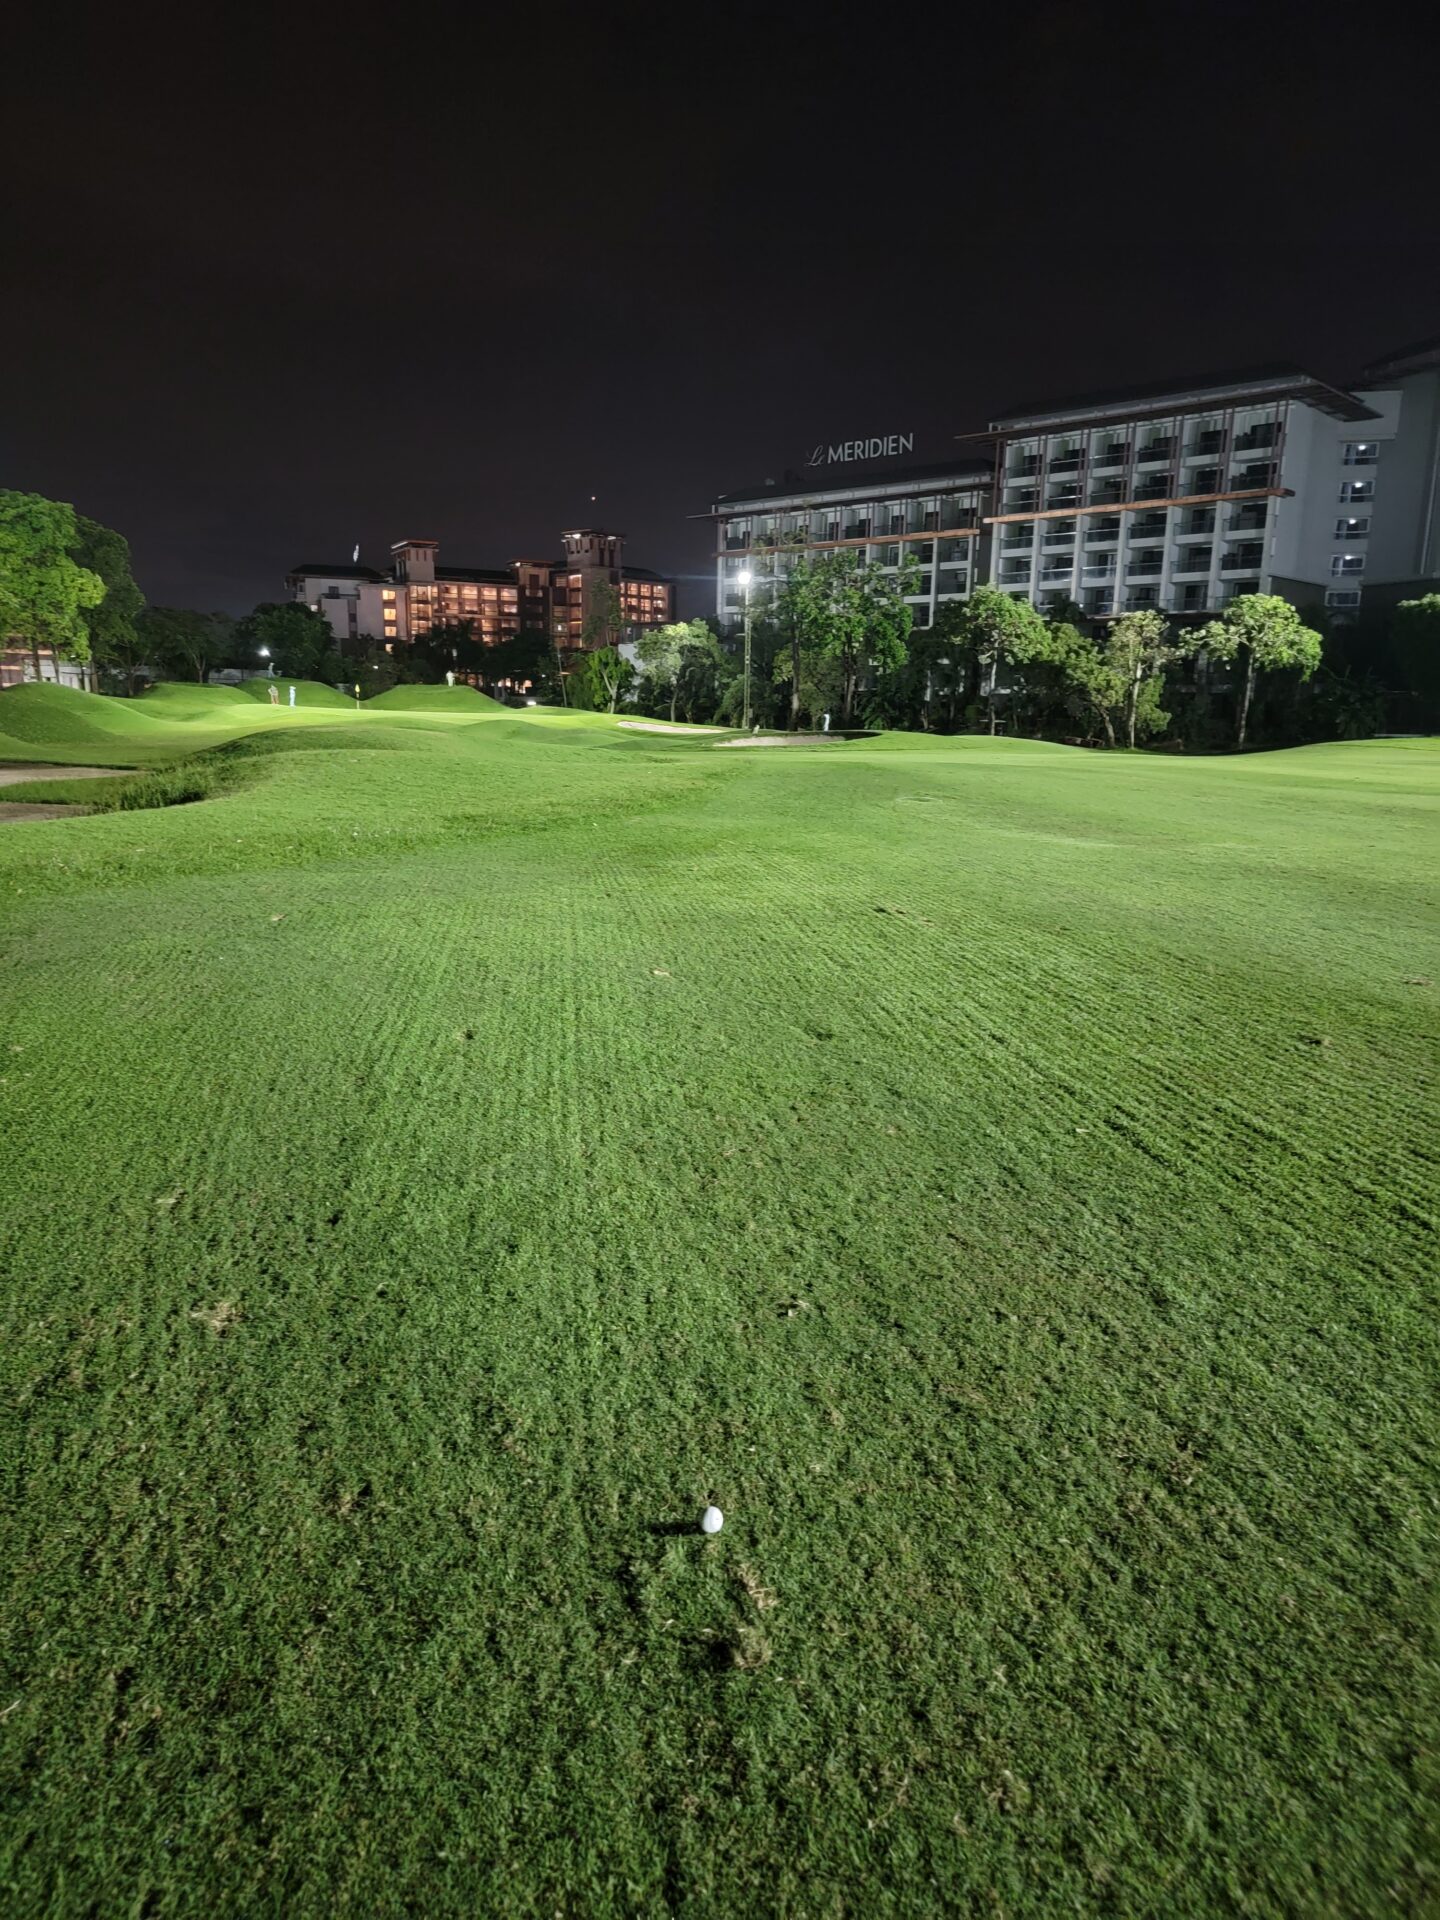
column 387, row 593
column 1361, row 453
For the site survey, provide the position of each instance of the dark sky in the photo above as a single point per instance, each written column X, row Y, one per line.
column 281, row 279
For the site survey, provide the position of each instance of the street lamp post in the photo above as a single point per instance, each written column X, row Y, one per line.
column 744, row 577
column 265, row 655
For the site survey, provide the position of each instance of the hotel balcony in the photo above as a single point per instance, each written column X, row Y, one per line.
column 1144, row 566
column 1247, row 520
column 1254, row 438
column 1023, row 466
column 1247, row 559
column 1147, row 527
column 1103, row 569
column 1109, row 493
column 1207, row 443
column 1050, row 575
column 1067, row 463
column 1257, row 474
column 1022, row 500
column 1110, row 456
column 1102, row 531
column 1018, row 537
column 1153, row 452
column 1199, row 520
column 1063, row 497
column 1192, row 559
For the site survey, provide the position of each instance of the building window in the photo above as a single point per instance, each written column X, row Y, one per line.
column 387, row 593
column 1347, row 563
column 1361, row 453
column 1352, row 529
column 1357, row 489
column 1342, row 597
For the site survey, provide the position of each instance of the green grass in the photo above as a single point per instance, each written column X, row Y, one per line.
column 438, row 700
column 308, row 693
column 1001, row 1176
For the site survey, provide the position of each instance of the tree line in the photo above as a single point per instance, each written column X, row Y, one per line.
column 67, row 593
column 832, row 634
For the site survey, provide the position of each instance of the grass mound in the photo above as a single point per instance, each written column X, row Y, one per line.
column 187, row 700
column 45, row 715
column 308, row 693
column 438, row 700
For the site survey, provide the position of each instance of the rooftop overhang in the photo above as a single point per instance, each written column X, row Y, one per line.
column 1335, row 401
column 966, row 478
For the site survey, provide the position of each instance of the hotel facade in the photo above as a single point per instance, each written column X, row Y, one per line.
column 1178, row 497
column 933, row 517
column 397, row 605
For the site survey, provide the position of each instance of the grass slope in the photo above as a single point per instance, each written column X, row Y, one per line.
column 1001, row 1176
column 42, row 714
column 438, row 700
column 308, row 693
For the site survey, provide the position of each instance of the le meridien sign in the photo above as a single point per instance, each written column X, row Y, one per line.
column 882, row 447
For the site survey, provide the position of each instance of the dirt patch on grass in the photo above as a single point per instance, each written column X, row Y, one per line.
column 31, row 810
column 219, row 1318
column 15, row 773
column 798, row 739
column 12, row 772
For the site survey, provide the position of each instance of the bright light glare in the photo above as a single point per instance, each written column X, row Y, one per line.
column 743, row 577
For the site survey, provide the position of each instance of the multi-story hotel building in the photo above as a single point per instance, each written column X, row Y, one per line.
column 1185, row 497
column 1179, row 496
column 558, row 596
column 933, row 515
column 399, row 604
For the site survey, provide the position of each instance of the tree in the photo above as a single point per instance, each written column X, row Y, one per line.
column 110, row 622
column 1001, row 629
column 449, row 646
column 604, row 623
column 1273, row 636
column 44, row 592
column 298, row 640
column 179, row 641
column 1415, row 641
column 1138, row 648
column 524, row 658
column 599, row 678
column 1092, row 688
column 666, row 652
column 848, row 610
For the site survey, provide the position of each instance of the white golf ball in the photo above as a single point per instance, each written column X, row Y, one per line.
column 711, row 1520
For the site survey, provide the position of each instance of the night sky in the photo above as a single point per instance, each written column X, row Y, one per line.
column 304, row 278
